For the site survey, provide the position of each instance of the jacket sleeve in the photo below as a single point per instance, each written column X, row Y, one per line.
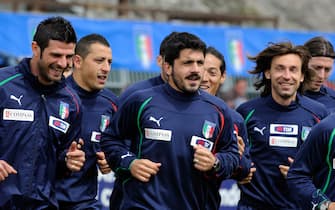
column 118, row 137
column 244, row 166
column 73, row 134
column 227, row 150
column 310, row 160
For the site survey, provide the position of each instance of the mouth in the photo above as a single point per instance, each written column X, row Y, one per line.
column 102, row 78
column 204, row 87
column 318, row 82
column 56, row 71
column 193, row 77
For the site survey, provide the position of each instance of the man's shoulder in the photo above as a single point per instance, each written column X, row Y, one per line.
column 313, row 106
column 138, row 86
column 109, row 95
column 329, row 91
column 9, row 73
column 252, row 103
column 308, row 102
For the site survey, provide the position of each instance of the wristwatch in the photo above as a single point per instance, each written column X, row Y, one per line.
column 216, row 165
column 324, row 205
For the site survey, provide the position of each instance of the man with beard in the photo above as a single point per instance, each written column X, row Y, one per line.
column 40, row 121
column 116, row 196
column 278, row 122
column 320, row 66
column 92, row 65
column 180, row 137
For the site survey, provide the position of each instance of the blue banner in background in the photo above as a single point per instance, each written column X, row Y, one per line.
column 136, row 44
column 230, row 194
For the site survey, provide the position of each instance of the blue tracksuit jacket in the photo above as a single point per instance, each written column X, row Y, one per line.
column 239, row 127
column 38, row 124
column 275, row 133
column 311, row 176
column 98, row 108
column 325, row 96
column 141, row 85
column 161, row 123
column 116, row 196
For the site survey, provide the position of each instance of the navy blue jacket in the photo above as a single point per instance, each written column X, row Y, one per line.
column 141, row 85
column 311, row 176
column 116, row 197
column 325, row 96
column 161, row 122
column 98, row 108
column 37, row 127
column 275, row 133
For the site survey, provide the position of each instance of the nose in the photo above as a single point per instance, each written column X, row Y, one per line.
column 321, row 73
column 287, row 74
column 106, row 66
column 205, row 76
column 197, row 68
column 64, row 62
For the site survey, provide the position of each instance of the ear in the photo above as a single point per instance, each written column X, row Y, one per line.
column 223, row 78
column 35, row 49
column 267, row 74
column 159, row 61
column 77, row 61
column 167, row 68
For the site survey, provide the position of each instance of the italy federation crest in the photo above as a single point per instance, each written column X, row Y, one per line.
column 208, row 129
column 304, row 132
column 105, row 120
column 63, row 110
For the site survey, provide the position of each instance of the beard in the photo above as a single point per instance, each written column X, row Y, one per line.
column 181, row 84
column 43, row 72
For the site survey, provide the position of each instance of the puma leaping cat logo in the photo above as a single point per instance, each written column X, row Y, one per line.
column 259, row 130
column 16, row 99
column 156, row 121
column 126, row 155
column 314, row 206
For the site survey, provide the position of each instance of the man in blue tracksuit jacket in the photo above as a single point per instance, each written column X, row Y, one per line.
column 214, row 77
column 154, row 81
column 116, row 196
column 278, row 123
column 320, row 66
column 40, row 117
column 92, row 64
column 167, row 125
column 311, row 176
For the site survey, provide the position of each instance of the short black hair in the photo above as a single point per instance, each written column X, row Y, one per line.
column 217, row 54
column 83, row 45
column 163, row 43
column 181, row 41
column 54, row 28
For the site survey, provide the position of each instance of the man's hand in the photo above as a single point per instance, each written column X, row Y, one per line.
column 75, row 157
column 284, row 169
column 240, row 145
column 331, row 206
column 203, row 158
column 5, row 170
column 102, row 163
column 143, row 169
column 248, row 179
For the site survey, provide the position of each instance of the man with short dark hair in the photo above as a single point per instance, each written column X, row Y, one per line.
column 181, row 137
column 40, row 122
column 92, row 65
